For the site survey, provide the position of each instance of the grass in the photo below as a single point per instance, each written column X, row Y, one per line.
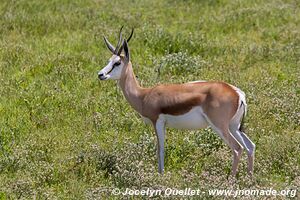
column 65, row 135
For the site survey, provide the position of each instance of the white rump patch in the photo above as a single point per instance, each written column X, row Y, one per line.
column 242, row 99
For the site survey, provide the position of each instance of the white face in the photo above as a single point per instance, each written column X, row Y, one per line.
column 112, row 70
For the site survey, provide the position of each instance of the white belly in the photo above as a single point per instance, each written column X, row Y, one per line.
column 194, row 119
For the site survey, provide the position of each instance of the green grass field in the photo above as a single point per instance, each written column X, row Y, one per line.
column 66, row 135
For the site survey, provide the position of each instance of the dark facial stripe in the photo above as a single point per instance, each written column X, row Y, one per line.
column 111, row 69
column 114, row 65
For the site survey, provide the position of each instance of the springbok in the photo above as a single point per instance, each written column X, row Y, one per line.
column 191, row 105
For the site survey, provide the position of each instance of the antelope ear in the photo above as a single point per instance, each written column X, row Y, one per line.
column 109, row 45
column 126, row 50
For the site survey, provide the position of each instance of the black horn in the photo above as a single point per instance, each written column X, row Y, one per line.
column 120, row 39
column 119, row 47
column 128, row 39
column 130, row 35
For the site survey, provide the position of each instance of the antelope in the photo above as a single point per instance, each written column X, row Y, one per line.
column 192, row 105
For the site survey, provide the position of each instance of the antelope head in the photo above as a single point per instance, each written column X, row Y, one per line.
column 114, row 68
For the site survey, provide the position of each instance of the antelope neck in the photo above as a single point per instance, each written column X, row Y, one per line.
column 131, row 89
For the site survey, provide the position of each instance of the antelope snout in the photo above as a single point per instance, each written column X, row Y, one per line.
column 101, row 76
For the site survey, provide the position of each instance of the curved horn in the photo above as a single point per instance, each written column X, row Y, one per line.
column 120, row 39
column 130, row 35
column 121, row 48
column 109, row 45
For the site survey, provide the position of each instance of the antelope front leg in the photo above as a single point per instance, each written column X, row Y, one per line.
column 160, row 133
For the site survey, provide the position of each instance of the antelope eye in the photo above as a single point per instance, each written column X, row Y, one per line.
column 117, row 63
